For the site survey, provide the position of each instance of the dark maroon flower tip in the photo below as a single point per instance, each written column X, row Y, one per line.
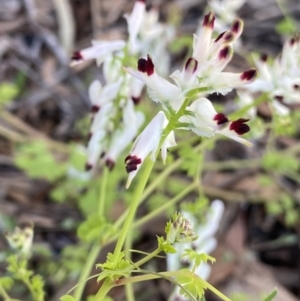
column 249, row 74
column 88, row 166
column 279, row 98
column 146, row 66
column 224, row 53
column 292, row 41
column 240, row 126
column 77, row 56
column 136, row 100
column 209, row 20
column 220, row 118
column 296, row 87
column 263, row 57
column 236, row 26
column 132, row 162
column 95, row 108
column 191, row 64
column 110, row 164
column 143, row 1
column 220, row 36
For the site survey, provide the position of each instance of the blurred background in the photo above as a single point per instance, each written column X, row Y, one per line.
column 44, row 107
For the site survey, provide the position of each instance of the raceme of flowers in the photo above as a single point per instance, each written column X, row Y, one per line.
column 115, row 122
column 202, row 74
column 279, row 78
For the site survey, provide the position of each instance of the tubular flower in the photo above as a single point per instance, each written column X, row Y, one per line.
column 99, row 51
column 203, row 70
column 146, row 143
column 205, row 121
column 226, row 10
column 280, row 79
column 132, row 121
column 134, row 21
column 99, row 95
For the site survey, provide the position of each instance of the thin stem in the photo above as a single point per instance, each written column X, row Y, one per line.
column 4, row 293
column 104, row 289
column 102, row 193
column 134, row 204
column 148, row 257
column 129, row 287
column 86, row 270
column 164, row 206
column 96, row 247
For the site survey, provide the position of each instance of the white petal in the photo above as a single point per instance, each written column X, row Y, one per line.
column 95, row 89
column 134, row 21
column 234, row 136
column 147, row 142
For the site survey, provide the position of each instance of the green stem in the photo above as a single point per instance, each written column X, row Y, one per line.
column 86, row 270
column 129, row 287
column 148, row 257
column 133, row 206
column 104, row 289
column 4, row 293
column 102, row 193
column 96, row 247
column 164, row 206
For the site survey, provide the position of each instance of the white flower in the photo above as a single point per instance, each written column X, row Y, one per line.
column 134, row 21
column 99, row 51
column 203, row 70
column 96, row 146
column 205, row 121
column 159, row 89
column 146, row 143
column 132, row 121
column 226, row 10
column 100, row 95
column 280, row 78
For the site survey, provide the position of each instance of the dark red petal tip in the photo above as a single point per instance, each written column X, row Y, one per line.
column 209, row 20
column 279, row 97
column 88, row 166
column 143, row 1
column 136, row 100
column 146, row 66
column 132, row 162
column 236, row 26
column 296, row 87
column 220, row 118
column 191, row 64
column 240, row 126
column 224, row 53
column 95, row 109
column 292, row 41
column 264, row 57
column 220, row 36
column 249, row 74
column 77, row 56
column 110, row 164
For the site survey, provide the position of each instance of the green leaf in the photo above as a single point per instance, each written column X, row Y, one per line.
column 286, row 26
column 6, row 282
column 271, row 296
column 198, row 258
column 8, row 92
column 95, row 227
column 67, row 298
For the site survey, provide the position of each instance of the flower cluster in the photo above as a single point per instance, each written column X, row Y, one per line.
column 206, row 243
column 115, row 122
column 278, row 78
column 203, row 73
column 21, row 238
column 226, row 10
